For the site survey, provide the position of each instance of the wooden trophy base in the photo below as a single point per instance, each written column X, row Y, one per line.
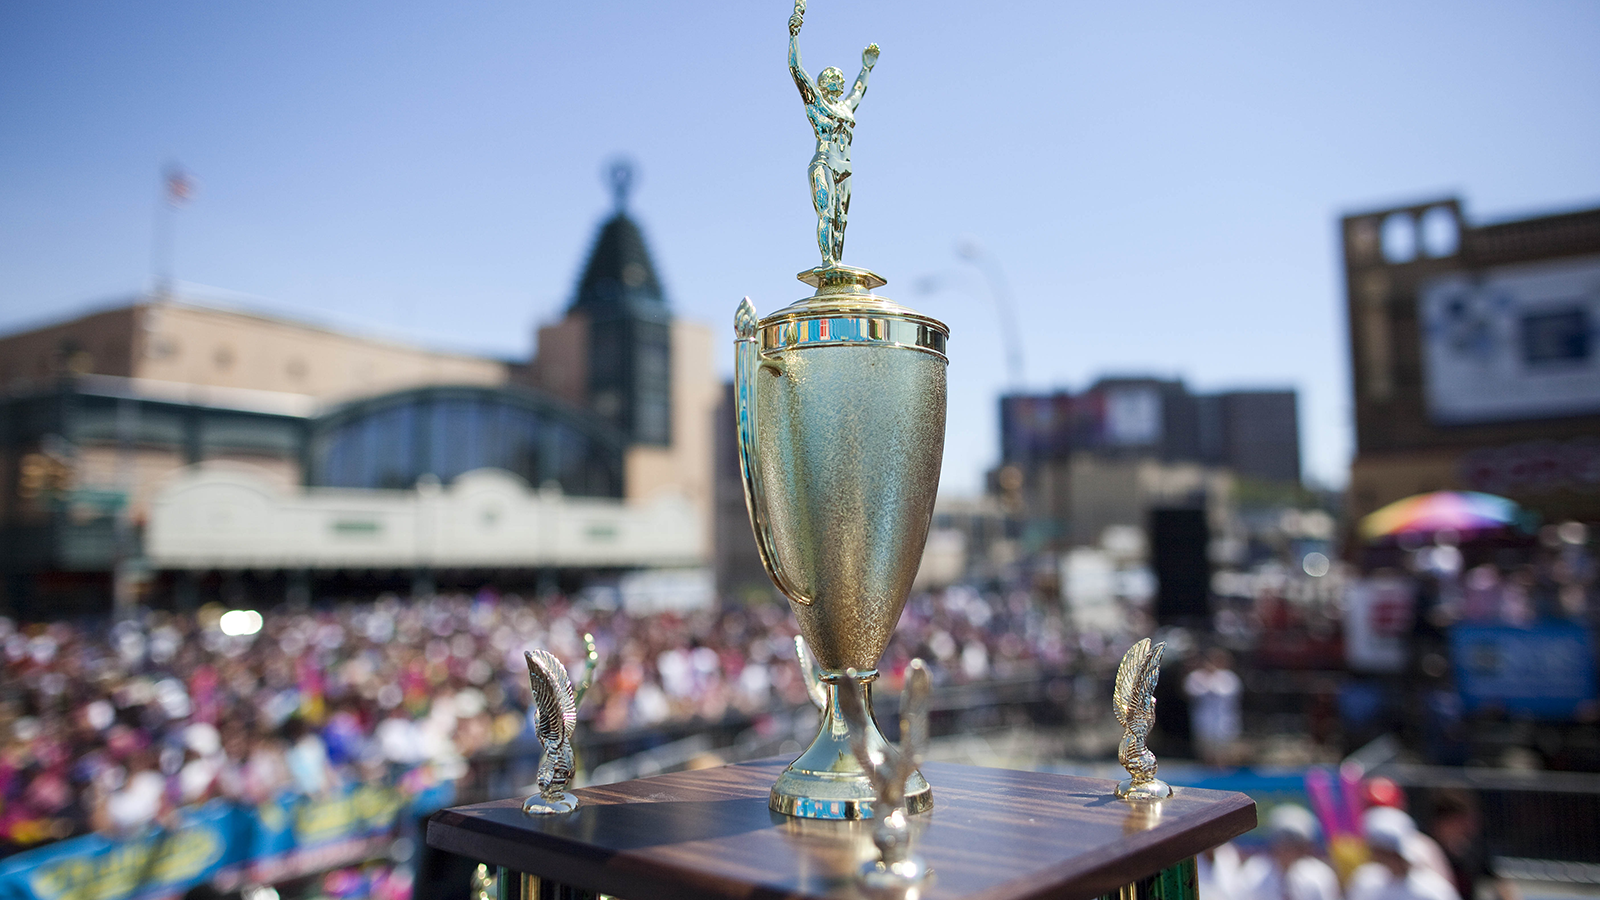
column 709, row 834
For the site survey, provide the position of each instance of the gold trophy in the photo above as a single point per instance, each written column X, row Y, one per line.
column 841, row 406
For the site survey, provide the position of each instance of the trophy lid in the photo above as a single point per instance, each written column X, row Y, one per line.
column 845, row 310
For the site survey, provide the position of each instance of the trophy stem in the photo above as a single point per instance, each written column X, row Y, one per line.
column 826, row 781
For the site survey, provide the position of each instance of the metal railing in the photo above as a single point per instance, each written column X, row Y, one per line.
column 1536, row 824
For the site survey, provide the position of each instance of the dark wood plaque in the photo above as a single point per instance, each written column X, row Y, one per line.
column 993, row 833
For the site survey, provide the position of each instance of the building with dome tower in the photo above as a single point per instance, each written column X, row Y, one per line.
column 170, row 451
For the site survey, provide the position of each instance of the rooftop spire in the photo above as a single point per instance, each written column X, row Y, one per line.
column 619, row 276
column 620, row 174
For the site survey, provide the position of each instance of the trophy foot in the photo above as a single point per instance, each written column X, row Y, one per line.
column 1153, row 789
column 540, row 805
column 827, row 782
column 838, row 795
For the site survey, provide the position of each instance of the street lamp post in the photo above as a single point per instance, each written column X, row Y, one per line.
column 971, row 250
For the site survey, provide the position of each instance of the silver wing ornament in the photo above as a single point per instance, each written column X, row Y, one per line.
column 1135, row 705
column 897, row 872
column 556, row 710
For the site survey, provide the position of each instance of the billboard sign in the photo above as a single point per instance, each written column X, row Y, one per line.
column 1514, row 342
column 1050, row 426
column 1533, row 467
column 1132, row 416
column 1546, row 670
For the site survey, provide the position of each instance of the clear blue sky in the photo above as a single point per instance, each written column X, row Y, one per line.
column 1160, row 183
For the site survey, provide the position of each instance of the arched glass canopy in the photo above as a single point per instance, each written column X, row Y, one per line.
column 392, row 440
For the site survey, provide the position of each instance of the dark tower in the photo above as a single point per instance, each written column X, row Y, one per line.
column 630, row 339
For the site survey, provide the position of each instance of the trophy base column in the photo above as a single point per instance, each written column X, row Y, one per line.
column 827, row 782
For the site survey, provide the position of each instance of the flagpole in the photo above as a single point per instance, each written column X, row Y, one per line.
column 174, row 190
column 127, row 567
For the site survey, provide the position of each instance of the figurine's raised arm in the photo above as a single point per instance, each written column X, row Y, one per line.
column 808, row 88
column 869, row 58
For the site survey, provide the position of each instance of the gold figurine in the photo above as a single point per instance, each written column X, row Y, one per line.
column 897, row 868
column 833, row 118
column 1135, row 703
column 840, row 408
column 556, row 706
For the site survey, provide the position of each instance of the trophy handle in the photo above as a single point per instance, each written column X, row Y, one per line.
column 748, row 363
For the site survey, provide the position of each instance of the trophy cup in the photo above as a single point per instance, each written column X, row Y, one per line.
column 841, row 409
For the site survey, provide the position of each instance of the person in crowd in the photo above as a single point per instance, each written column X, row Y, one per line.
column 1457, row 826
column 266, row 772
column 202, row 763
column 1391, row 875
column 1214, row 693
column 306, row 758
column 137, row 794
column 1384, row 793
column 1290, row 869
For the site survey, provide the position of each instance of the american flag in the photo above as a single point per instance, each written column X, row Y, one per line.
column 179, row 185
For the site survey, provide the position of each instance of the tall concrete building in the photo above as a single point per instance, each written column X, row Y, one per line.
column 1254, row 434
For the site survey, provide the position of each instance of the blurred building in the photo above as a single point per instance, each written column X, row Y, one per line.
column 1475, row 352
column 738, row 562
column 185, row 452
column 1074, row 465
column 970, row 541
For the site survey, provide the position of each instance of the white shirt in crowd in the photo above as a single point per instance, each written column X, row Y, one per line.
column 1308, row 878
column 138, row 802
column 1217, row 874
column 1374, row 881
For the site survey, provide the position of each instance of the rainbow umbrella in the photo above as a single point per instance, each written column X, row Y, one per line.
column 1441, row 511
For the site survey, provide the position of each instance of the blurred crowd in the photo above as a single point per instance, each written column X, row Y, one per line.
column 1553, row 585
column 1555, row 578
column 110, row 727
